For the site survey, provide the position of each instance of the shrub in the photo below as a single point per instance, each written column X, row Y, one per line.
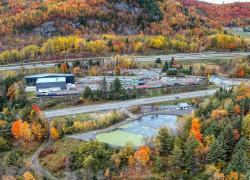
column 14, row 158
column 103, row 122
column 46, row 152
column 158, row 61
column 135, row 109
column 4, row 146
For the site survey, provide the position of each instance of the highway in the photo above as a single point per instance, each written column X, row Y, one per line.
column 178, row 56
column 222, row 82
column 124, row 104
column 193, row 56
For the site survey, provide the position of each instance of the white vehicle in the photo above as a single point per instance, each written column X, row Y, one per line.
column 182, row 106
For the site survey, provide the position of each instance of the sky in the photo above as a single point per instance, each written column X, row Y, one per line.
column 225, row 1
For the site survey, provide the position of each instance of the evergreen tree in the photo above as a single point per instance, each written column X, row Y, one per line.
column 176, row 160
column 110, row 43
column 189, row 155
column 123, row 95
column 165, row 141
column 239, row 162
column 158, row 61
column 104, row 88
column 246, row 126
column 227, row 135
column 243, row 144
column 172, row 63
column 190, row 70
column 216, row 153
column 67, row 64
column 118, row 92
column 111, row 93
column 97, row 94
column 159, row 165
column 117, row 85
column 87, row 93
column 165, row 67
column 76, row 63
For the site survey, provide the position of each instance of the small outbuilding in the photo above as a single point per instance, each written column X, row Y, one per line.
column 172, row 71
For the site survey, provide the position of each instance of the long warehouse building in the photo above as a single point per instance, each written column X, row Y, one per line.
column 32, row 80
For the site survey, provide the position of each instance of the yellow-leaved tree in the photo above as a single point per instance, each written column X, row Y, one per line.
column 54, row 134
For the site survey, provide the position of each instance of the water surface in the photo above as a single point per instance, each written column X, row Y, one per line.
column 136, row 131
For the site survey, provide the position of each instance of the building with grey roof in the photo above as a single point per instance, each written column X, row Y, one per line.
column 50, row 84
column 31, row 80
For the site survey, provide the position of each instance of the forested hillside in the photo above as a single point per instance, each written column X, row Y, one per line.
column 235, row 14
column 123, row 17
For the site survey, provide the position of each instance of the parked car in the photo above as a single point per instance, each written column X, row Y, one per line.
column 177, row 97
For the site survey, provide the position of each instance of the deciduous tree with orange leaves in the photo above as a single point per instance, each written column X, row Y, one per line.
column 195, row 129
column 237, row 109
column 76, row 71
column 240, row 73
column 64, row 67
column 219, row 113
column 37, row 109
column 142, row 155
column 117, row 70
column 21, row 131
column 232, row 176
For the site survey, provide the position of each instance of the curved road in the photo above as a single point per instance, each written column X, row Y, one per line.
column 179, row 56
column 125, row 104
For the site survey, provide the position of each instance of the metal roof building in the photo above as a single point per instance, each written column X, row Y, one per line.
column 50, row 84
column 32, row 80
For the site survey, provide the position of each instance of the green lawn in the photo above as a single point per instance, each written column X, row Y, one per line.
column 120, row 138
column 174, row 102
column 215, row 61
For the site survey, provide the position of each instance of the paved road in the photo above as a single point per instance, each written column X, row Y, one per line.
column 227, row 82
column 35, row 165
column 179, row 56
column 125, row 104
column 194, row 56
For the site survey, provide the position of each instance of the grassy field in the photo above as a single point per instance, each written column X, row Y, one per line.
column 79, row 117
column 175, row 102
column 120, row 138
column 215, row 61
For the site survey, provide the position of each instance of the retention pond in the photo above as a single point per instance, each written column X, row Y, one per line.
column 136, row 131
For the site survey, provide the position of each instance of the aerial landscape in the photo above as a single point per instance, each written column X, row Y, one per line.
column 124, row 90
